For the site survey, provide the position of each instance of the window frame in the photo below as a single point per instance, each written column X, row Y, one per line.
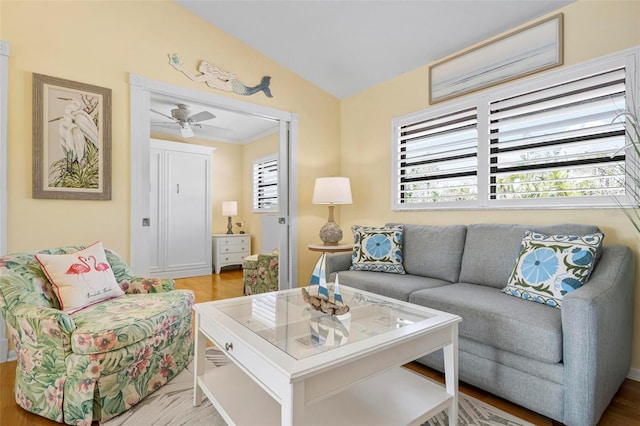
column 629, row 58
column 262, row 160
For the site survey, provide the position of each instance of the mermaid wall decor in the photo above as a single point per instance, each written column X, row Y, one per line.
column 216, row 78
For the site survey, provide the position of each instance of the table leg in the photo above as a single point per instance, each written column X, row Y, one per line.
column 292, row 409
column 198, row 361
column 451, row 374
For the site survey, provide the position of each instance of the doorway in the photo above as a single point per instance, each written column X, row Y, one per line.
column 142, row 90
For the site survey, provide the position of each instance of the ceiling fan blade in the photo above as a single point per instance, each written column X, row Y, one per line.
column 164, row 123
column 164, row 115
column 201, row 116
column 186, row 132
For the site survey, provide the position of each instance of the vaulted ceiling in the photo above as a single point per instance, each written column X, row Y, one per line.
column 346, row 46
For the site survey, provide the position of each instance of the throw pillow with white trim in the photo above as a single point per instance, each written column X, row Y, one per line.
column 82, row 278
column 550, row 266
column 377, row 249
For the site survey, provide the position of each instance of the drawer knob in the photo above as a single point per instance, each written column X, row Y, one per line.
column 228, row 346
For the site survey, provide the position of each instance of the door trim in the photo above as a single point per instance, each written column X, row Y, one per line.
column 4, row 86
column 141, row 89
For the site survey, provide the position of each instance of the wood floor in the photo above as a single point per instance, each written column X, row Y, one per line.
column 624, row 410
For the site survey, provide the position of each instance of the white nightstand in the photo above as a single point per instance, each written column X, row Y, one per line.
column 229, row 249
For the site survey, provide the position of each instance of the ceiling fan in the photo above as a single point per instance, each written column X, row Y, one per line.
column 183, row 118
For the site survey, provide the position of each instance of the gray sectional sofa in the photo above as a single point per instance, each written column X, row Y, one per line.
column 563, row 363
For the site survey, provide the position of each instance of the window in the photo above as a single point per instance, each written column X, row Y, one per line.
column 438, row 159
column 558, row 140
column 265, row 184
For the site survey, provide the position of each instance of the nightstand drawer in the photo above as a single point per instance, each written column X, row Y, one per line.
column 231, row 258
column 243, row 248
column 234, row 241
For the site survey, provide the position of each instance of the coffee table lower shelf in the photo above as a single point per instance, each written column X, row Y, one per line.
column 396, row 396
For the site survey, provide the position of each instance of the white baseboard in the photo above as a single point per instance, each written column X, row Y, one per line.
column 634, row 374
column 4, row 348
column 12, row 356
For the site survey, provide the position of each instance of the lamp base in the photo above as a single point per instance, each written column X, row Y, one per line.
column 330, row 234
column 229, row 226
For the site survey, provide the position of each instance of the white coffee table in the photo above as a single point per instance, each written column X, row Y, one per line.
column 295, row 366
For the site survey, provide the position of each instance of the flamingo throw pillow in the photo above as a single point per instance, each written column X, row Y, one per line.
column 82, row 278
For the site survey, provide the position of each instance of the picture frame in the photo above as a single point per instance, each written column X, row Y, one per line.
column 71, row 139
column 523, row 52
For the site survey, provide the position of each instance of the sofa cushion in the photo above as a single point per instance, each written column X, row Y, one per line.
column 495, row 319
column 433, row 251
column 120, row 322
column 377, row 249
column 397, row 286
column 491, row 250
column 81, row 278
column 550, row 266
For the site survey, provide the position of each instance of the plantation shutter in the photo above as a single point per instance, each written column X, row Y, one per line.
column 562, row 141
column 265, row 184
column 437, row 159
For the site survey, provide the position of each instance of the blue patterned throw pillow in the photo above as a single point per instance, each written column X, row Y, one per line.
column 550, row 266
column 377, row 249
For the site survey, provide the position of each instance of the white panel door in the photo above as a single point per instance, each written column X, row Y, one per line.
column 188, row 242
column 180, row 209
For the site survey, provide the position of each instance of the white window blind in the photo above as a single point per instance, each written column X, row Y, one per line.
column 265, row 184
column 561, row 141
column 438, row 159
column 554, row 140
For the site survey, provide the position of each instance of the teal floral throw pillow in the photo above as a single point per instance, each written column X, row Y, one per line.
column 550, row 266
column 377, row 249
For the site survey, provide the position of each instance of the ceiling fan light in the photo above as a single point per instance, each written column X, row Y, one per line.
column 186, row 132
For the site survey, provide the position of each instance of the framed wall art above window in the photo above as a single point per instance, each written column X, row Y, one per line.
column 528, row 50
column 71, row 139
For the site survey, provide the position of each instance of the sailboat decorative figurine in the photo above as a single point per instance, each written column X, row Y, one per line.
column 322, row 302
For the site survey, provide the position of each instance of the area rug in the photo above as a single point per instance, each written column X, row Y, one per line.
column 172, row 405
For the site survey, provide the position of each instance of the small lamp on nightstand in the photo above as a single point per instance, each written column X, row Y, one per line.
column 229, row 208
column 331, row 191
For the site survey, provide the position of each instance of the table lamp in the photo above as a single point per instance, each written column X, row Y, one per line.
column 229, row 208
column 331, row 191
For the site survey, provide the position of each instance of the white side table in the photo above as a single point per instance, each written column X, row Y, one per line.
column 229, row 249
column 319, row 271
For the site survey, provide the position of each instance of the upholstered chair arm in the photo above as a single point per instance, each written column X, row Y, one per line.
column 132, row 284
column 336, row 262
column 597, row 322
column 41, row 336
column 140, row 285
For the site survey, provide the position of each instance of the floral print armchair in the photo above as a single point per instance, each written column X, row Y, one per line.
column 260, row 273
column 100, row 361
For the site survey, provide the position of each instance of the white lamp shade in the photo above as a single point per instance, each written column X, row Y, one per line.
column 229, row 208
column 332, row 190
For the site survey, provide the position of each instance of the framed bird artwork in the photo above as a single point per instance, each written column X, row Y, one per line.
column 71, row 139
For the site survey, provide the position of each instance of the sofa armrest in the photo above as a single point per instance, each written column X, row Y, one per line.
column 597, row 322
column 140, row 285
column 42, row 338
column 336, row 262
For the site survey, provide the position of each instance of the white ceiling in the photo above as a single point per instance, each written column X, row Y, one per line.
column 345, row 47
column 227, row 126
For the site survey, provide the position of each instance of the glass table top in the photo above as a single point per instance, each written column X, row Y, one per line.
column 285, row 320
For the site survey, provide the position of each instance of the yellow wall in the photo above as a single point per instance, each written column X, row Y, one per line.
column 592, row 29
column 101, row 43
